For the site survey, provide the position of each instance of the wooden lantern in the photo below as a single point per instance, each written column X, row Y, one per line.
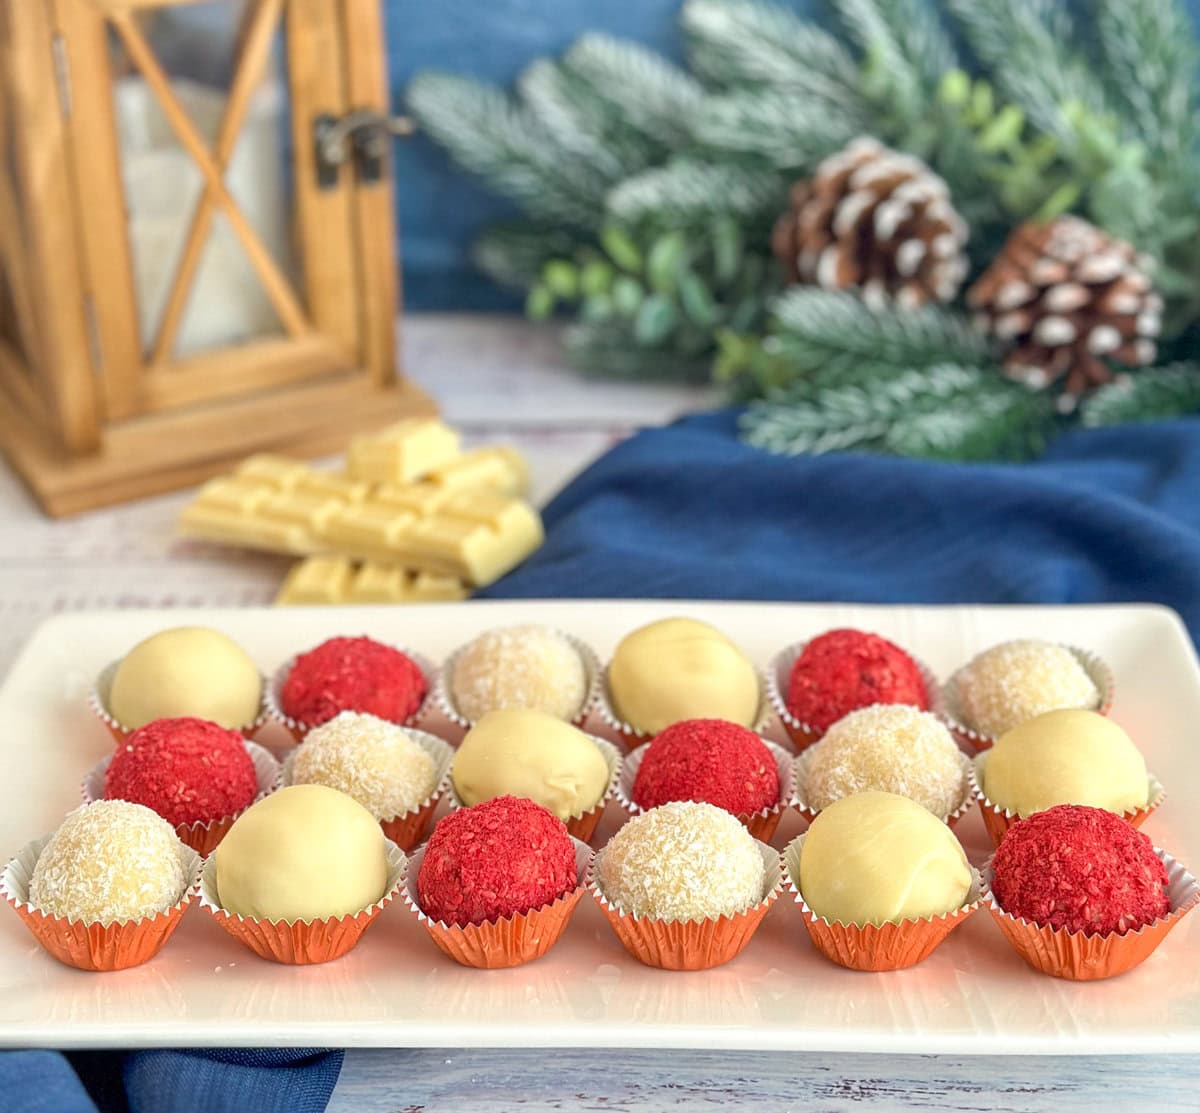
column 97, row 402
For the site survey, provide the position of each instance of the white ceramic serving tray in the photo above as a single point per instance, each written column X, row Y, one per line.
column 974, row 996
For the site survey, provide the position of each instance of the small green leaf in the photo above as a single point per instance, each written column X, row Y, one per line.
column 727, row 248
column 983, row 104
column 655, row 320
column 627, row 295
column 562, row 278
column 1003, row 131
column 621, row 249
column 697, row 302
column 955, row 88
column 597, row 308
column 1059, row 202
column 539, row 303
column 665, row 261
column 596, row 278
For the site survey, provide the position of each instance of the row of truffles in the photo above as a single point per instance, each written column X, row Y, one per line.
column 665, row 672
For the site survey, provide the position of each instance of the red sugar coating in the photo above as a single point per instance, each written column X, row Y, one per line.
column 352, row 674
column 711, row 761
column 494, row 860
column 187, row 770
column 843, row 670
column 1082, row 869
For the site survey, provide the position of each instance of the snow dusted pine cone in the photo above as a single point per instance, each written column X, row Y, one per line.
column 877, row 220
column 1065, row 298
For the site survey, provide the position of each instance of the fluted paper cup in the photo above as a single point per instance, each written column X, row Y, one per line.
column 509, row 941
column 98, row 704
column 690, row 944
column 1080, row 957
column 977, row 741
column 273, row 692
column 761, row 824
column 407, row 829
column 301, row 942
column 95, row 946
column 998, row 820
column 876, row 947
column 202, row 836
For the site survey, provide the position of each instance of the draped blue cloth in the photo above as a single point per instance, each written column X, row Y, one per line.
column 689, row 511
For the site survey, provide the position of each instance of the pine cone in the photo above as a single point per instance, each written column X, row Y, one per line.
column 1065, row 298
column 875, row 219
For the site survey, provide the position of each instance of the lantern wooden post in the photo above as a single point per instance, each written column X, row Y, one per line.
column 88, row 413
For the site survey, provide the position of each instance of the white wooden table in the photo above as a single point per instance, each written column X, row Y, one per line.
column 500, row 379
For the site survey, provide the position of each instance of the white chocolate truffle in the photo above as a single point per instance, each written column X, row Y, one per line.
column 1065, row 757
column 531, row 667
column 682, row 861
column 875, row 858
column 516, row 752
column 1015, row 681
column 888, row 748
column 679, row 669
column 186, row 671
column 110, row 861
column 374, row 761
column 306, row 852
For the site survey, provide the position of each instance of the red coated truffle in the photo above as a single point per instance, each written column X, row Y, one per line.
column 843, row 670
column 710, row 761
column 352, row 674
column 187, row 770
column 1080, row 869
column 494, row 860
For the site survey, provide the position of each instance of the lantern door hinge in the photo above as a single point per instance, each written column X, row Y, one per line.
column 363, row 135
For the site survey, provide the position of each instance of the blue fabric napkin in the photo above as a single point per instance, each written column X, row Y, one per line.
column 1106, row 515
column 689, row 511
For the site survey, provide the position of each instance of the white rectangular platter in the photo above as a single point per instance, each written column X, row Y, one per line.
column 974, row 996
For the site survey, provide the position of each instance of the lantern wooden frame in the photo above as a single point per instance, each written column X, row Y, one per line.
column 86, row 415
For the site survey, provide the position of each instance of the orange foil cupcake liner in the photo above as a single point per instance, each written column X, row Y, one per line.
column 581, row 825
column 690, row 944
column 98, row 704
column 876, row 947
column 511, row 941
column 633, row 738
column 95, row 946
column 761, row 824
column 443, row 695
column 302, row 942
column 202, row 837
column 1085, row 958
column 800, row 799
column 998, row 820
column 977, row 741
column 407, row 830
column 273, row 690
column 804, row 734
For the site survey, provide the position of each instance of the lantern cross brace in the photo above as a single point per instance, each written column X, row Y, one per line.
column 213, row 164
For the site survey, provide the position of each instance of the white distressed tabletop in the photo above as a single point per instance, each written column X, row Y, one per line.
column 499, row 379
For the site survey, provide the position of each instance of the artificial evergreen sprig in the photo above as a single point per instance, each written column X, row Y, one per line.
column 1150, row 395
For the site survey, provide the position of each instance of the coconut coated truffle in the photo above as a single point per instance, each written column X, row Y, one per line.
column 887, row 748
column 373, row 761
column 352, row 674
column 187, row 671
column 708, row 760
column 497, row 859
column 187, row 770
column 531, row 667
column 1015, row 681
column 1080, row 869
column 110, row 861
column 682, row 861
column 843, row 670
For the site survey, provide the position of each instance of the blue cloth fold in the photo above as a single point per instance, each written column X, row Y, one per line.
column 1107, row 515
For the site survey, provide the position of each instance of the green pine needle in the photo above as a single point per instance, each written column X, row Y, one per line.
column 685, row 192
column 1149, row 395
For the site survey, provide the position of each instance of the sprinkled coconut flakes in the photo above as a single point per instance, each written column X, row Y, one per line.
column 682, row 861
column 888, row 748
column 532, row 667
column 370, row 759
column 1016, row 681
column 110, row 860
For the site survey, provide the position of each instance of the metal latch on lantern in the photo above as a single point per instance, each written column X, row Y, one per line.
column 364, row 135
